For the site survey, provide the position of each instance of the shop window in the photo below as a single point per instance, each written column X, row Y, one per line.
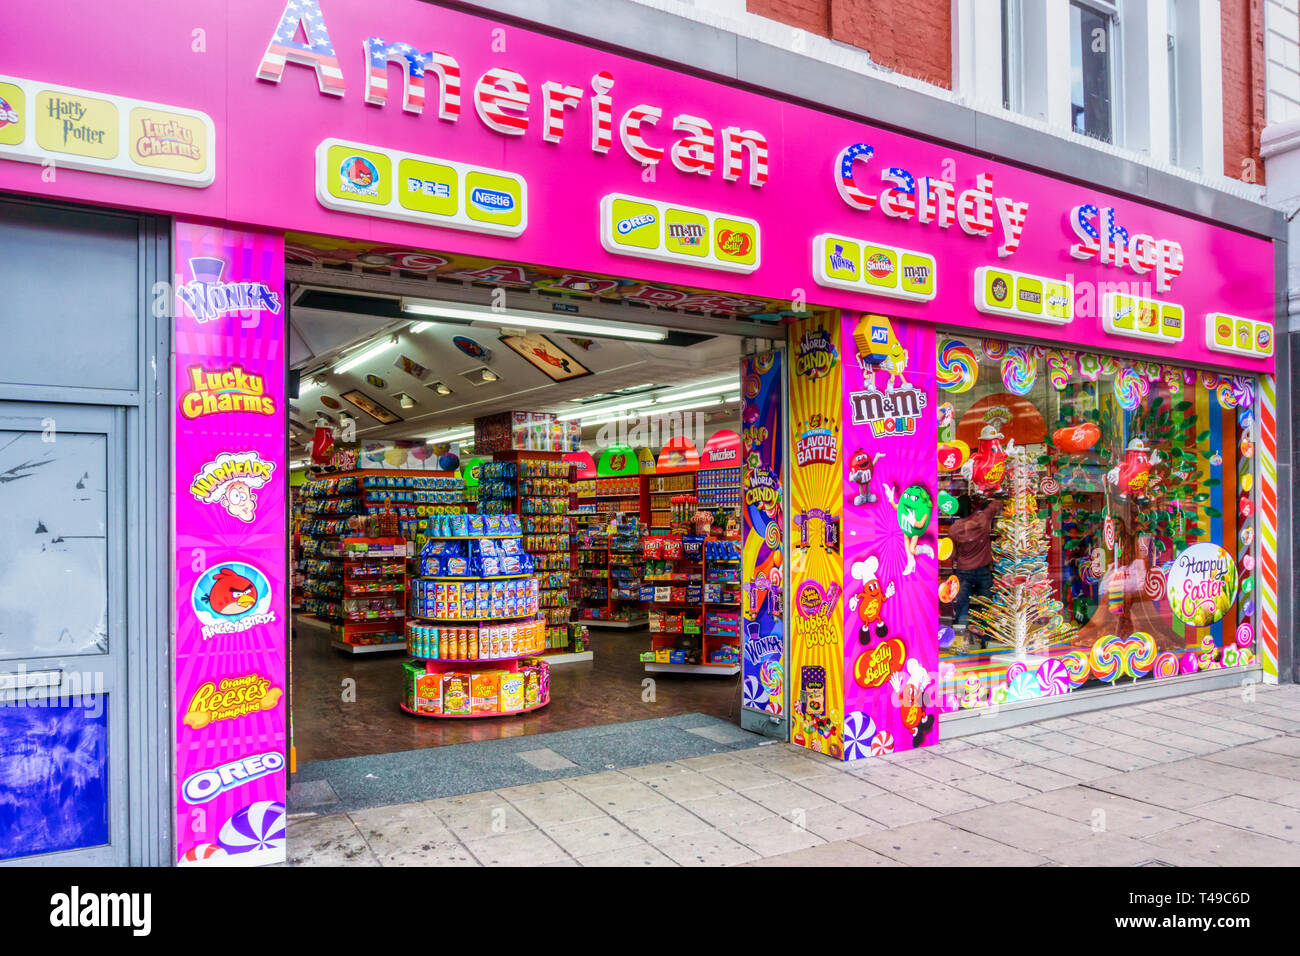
column 53, row 548
column 1096, row 521
column 1092, row 66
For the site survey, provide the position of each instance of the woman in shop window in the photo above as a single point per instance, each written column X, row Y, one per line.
column 972, row 557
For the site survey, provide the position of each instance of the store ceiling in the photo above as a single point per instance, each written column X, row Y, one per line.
column 324, row 339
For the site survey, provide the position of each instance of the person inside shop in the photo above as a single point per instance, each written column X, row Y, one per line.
column 972, row 557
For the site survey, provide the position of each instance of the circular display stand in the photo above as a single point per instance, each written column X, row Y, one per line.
column 503, row 713
column 476, row 660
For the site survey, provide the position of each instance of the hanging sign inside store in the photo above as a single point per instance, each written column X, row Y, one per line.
column 862, row 266
column 99, row 133
column 1003, row 292
column 648, row 229
column 393, row 184
column 1238, row 335
column 1142, row 318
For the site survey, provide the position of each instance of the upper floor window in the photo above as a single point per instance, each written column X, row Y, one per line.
column 1093, row 61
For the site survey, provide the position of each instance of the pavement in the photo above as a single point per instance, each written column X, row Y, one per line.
column 1209, row 779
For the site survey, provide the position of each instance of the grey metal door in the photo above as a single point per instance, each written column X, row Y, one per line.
column 63, row 637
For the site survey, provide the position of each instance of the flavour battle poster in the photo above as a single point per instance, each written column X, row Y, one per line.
column 890, row 535
column 763, row 548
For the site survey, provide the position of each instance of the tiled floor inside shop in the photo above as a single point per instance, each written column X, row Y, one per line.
column 333, row 719
column 1207, row 779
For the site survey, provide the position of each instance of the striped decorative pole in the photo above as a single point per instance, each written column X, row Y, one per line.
column 1268, row 527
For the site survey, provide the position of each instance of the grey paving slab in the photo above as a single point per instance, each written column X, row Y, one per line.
column 589, row 837
column 1077, row 766
column 993, row 789
column 984, row 760
column 332, row 840
column 711, row 848
column 945, row 798
column 545, row 758
column 1260, row 761
column 1256, row 816
column 1287, row 745
column 558, row 808
column 935, row 843
column 892, row 810
column 1116, row 849
column 728, row 810
column 1037, row 778
column 658, row 824
column 787, row 796
column 1158, row 788
column 1065, row 743
column 1200, row 770
column 687, row 786
column 774, row 835
column 1104, row 811
column 399, row 833
column 1156, row 750
column 841, row 788
column 834, row 822
column 1017, row 825
column 744, row 776
column 942, row 769
column 641, row 855
column 519, row 848
column 622, row 797
column 840, row 853
column 1224, row 845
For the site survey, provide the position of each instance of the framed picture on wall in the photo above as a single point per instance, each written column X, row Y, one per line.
column 371, row 407
column 546, row 356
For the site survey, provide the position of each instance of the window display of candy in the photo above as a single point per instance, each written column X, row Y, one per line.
column 474, row 558
column 474, row 600
column 480, row 693
column 486, row 642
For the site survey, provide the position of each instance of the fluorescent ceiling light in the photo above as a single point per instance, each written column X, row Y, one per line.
column 537, row 320
column 607, row 410
column 604, row 419
column 450, row 437
column 365, row 355
column 716, row 389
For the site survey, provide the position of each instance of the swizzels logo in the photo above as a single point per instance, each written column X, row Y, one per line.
column 1100, row 236
column 208, row 298
column 816, row 355
column 506, row 103
column 206, row 784
column 225, row 390
column 932, row 201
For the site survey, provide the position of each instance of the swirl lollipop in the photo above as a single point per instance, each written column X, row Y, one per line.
column 1154, row 585
column 1166, row 665
column 882, row 743
column 994, row 348
column 1019, row 369
column 958, row 366
column 1077, row 667
column 1109, row 364
column 258, row 826
column 1139, row 654
column 1130, row 388
column 1053, row 678
column 1105, row 658
column 1024, row 686
column 1060, row 367
column 859, row 728
column 1173, row 378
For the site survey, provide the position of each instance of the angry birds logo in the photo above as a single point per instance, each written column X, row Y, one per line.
column 231, row 597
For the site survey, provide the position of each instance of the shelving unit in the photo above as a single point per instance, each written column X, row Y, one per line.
column 693, row 585
column 371, row 595
column 475, row 636
column 609, row 568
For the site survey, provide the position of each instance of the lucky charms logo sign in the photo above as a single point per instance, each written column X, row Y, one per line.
column 1202, row 584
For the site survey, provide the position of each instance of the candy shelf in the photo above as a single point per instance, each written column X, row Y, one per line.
column 693, row 588
column 474, row 631
column 609, row 569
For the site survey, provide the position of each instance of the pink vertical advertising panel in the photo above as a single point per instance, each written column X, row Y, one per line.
column 890, row 537
column 230, row 613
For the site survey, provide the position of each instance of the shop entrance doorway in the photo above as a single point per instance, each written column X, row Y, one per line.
column 592, row 440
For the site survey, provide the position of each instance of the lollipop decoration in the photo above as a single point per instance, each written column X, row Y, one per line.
column 1060, row 367
column 1154, row 584
column 882, row 743
column 1105, row 658
column 200, row 852
column 1137, row 654
column 1245, row 635
column 958, row 366
column 755, row 695
column 1189, row 663
column 1024, row 686
column 1090, row 366
column 995, row 348
column 258, row 826
column 1166, row 665
column 1053, row 678
column 859, row 729
column 1019, row 369
column 1130, row 388
column 1077, row 667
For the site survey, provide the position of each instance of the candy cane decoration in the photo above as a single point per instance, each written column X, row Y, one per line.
column 846, row 181
column 629, row 131
column 1268, row 527
column 500, row 96
column 556, row 98
column 693, row 153
column 735, row 143
column 602, row 112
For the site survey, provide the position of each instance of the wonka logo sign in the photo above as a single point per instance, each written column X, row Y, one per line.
column 208, row 298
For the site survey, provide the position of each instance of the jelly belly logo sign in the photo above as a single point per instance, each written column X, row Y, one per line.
column 231, row 598
column 231, row 480
column 206, row 784
column 229, row 699
column 1202, row 584
column 208, row 298
column 215, row 392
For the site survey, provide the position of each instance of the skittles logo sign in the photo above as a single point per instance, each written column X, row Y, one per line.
column 8, row 114
column 1202, row 584
column 817, row 355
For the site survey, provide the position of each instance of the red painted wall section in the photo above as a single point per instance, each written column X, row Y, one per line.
column 913, row 37
column 1242, row 24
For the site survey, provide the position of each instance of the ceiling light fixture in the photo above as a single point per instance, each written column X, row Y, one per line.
column 451, row 436
column 536, row 320
column 442, row 388
column 489, row 375
column 365, row 355
column 406, row 401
